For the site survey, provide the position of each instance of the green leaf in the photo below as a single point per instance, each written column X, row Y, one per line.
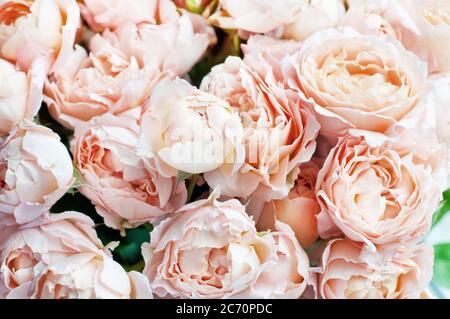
column 182, row 176
column 443, row 209
column 129, row 250
column 442, row 264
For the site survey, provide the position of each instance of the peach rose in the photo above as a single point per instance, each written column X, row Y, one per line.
column 381, row 190
column 106, row 81
column 377, row 17
column 20, row 93
column 440, row 96
column 101, row 14
column 29, row 29
column 289, row 275
column 298, row 210
column 35, row 172
column 210, row 249
column 316, row 15
column 126, row 190
column 356, row 81
column 422, row 26
column 291, row 19
column 185, row 129
column 173, row 43
column 348, row 271
column 279, row 130
column 60, row 258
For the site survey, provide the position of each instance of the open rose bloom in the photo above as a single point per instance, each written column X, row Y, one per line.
column 35, row 28
column 224, row 149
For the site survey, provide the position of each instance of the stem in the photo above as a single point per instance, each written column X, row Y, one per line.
column 191, row 187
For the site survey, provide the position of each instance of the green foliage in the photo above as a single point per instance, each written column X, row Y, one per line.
column 442, row 264
column 443, row 209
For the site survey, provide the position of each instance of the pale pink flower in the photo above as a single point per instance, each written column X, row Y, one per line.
column 349, row 271
column 381, row 190
column 356, row 81
column 298, row 209
column 126, row 190
column 103, row 14
column 279, row 129
column 35, row 172
column 174, row 42
column 210, row 249
column 61, row 257
column 20, row 93
column 29, row 29
column 185, row 129
column 105, row 81
column 423, row 26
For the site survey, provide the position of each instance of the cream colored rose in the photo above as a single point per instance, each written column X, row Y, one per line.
column 35, row 172
column 185, row 129
column 20, row 93
column 279, row 129
column 61, row 258
column 29, row 29
column 101, row 14
column 256, row 16
column 173, row 42
column 298, row 209
column 348, row 271
column 126, row 190
column 356, row 81
column 316, row 15
column 106, row 81
column 381, row 190
column 210, row 249
column 423, row 26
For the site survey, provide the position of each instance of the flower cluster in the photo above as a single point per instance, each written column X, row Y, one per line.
column 271, row 149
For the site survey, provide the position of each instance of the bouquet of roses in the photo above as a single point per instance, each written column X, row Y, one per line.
column 223, row 148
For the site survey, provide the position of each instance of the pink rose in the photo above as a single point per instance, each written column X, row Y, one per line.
column 101, row 14
column 421, row 25
column 60, row 258
column 356, row 81
column 279, row 129
column 185, row 129
column 289, row 275
column 210, row 249
column 174, row 42
column 377, row 17
column 106, row 81
column 20, row 93
column 35, row 172
column 316, row 15
column 256, row 16
column 298, row 209
column 29, row 29
column 381, row 190
column 126, row 190
column 349, row 271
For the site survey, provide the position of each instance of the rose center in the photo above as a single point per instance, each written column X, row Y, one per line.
column 11, row 11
